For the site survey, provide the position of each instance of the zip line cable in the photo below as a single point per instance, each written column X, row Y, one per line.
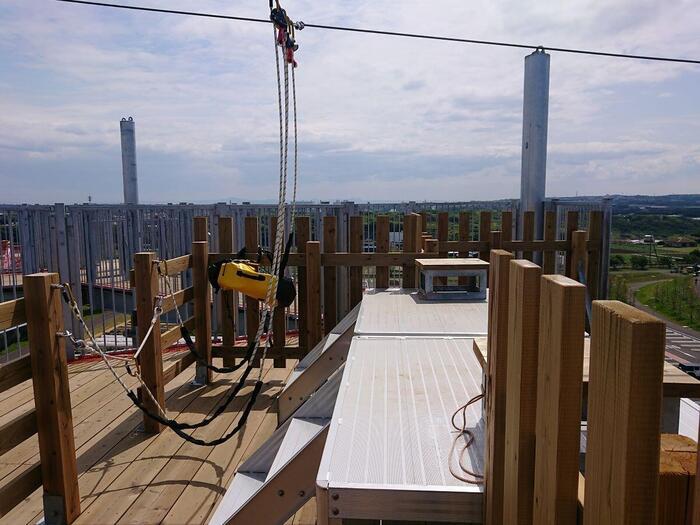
column 392, row 33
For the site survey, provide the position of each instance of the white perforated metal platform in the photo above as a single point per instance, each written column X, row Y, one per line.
column 386, row 455
column 402, row 312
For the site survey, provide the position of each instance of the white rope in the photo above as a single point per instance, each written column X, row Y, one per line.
column 296, row 162
column 95, row 348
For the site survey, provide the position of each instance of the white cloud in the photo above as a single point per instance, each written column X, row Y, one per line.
column 203, row 92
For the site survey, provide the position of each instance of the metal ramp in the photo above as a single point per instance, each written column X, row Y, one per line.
column 280, row 476
column 317, row 366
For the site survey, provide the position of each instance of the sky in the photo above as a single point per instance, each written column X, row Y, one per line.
column 379, row 118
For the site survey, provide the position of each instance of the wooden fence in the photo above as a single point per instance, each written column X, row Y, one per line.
column 51, row 418
column 536, row 347
column 534, row 373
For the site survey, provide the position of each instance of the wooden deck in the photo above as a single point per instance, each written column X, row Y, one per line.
column 128, row 477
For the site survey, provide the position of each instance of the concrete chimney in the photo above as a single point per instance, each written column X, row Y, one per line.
column 534, row 152
column 130, row 178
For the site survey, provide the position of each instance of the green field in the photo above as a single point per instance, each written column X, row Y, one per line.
column 674, row 298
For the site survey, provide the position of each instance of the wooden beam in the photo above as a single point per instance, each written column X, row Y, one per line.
column 496, row 240
column 54, row 418
column 200, row 229
column 202, row 309
column 571, row 227
column 151, row 359
column 696, row 491
column 577, row 259
column 528, row 232
column 594, row 256
column 15, row 372
column 279, row 318
column 356, row 246
column 177, row 367
column 313, row 286
column 410, row 244
column 12, row 493
column 17, row 430
column 443, row 226
column 497, row 370
column 550, row 234
column 288, row 352
column 624, row 414
column 677, row 480
column 484, row 232
column 172, row 336
column 330, row 274
column 382, row 247
column 507, row 225
column 512, row 246
column 521, row 394
column 558, row 422
column 174, row 369
column 179, row 298
column 464, row 234
column 302, row 235
column 252, row 306
column 177, row 265
column 12, row 314
column 227, row 302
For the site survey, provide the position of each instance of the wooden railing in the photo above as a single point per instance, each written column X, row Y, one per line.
column 534, row 401
column 51, row 419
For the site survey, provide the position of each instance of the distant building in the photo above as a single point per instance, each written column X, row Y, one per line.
column 679, row 241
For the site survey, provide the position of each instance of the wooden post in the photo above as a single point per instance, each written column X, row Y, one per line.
column 302, row 235
column 151, row 359
column 202, row 310
column 521, row 394
column 464, row 236
column 228, row 299
column 355, row 244
column 496, row 240
column 571, row 227
column 313, row 284
column 507, row 225
column 330, row 293
column 528, row 232
column 625, row 391
column 595, row 237
column 550, row 234
column 443, row 224
column 424, row 220
column 577, row 260
column 696, row 498
column 382, row 247
column 279, row 318
column 677, row 475
column 484, row 232
column 497, row 370
column 252, row 306
column 559, row 380
column 201, row 229
column 424, row 238
column 59, row 474
column 410, row 245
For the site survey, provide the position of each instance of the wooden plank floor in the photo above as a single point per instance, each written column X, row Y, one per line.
column 129, row 477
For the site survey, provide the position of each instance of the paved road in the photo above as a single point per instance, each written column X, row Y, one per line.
column 682, row 343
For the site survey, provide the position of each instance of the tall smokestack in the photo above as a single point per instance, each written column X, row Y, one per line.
column 534, row 157
column 131, row 182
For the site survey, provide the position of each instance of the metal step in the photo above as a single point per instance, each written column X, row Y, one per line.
column 280, row 476
column 317, row 366
column 299, row 433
